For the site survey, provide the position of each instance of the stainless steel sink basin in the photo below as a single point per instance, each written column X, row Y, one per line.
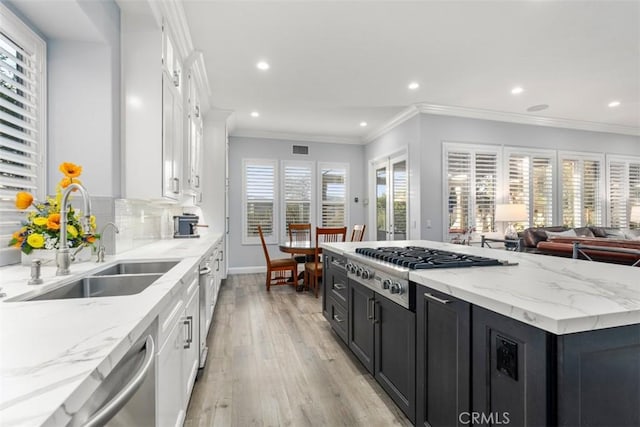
column 101, row 286
column 130, row 267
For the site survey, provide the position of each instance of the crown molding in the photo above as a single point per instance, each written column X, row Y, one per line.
column 501, row 116
column 329, row 139
column 395, row 121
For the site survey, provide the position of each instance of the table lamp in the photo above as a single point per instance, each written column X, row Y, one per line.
column 511, row 213
column 635, row 215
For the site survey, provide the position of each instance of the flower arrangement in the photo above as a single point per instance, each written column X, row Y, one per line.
column 41, row 229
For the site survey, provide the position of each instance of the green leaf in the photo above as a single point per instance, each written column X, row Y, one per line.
column 27, row 249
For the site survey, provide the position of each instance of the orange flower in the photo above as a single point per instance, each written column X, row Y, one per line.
column 23, row 200
column 66, row 181
column 71, row 170
column 90, row 239
column 53, row 222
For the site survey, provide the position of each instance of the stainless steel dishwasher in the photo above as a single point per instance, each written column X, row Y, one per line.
column 126, row 397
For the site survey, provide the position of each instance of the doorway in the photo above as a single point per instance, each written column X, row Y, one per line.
column 391, row 197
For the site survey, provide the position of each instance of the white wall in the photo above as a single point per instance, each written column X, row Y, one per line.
column 435, row 129
column 240, row 255
column 84, row 103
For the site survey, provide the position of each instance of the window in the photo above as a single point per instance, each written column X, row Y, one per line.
column 530, row 182
column 623, row 177
column 333, row 191
column 471, row 188
column 22, row 122
column 297, row 185
column 582, row 187
column 260, row 194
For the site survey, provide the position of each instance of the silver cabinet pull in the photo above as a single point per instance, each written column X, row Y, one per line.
column 189, row 323
column 176, row 185
column 197, row 181
column 205, row 271
column 339, row 286
column 435, row 298
column 338, row 318
column 104, row 414
column 370, row 309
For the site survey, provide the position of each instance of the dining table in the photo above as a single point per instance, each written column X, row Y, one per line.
column 299, row 247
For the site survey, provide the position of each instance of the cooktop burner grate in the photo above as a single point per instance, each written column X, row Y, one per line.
column 418, row 258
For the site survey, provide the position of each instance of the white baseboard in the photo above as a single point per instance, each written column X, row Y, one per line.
column 247, row 270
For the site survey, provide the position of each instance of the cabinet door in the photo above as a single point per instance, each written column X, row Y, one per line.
column 360, row 323
column 395, row 353
column 178, row 143
column 191, row 345
column 170, row 400
column 443, row 389
column 169, row 183
column 510, row 371
column 338, row 319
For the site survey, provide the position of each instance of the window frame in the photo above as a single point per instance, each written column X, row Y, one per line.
column 319, row 202
column 602, row 184
column 283, row 205
column 273, row 237
column 30, row 41
column 627, row 161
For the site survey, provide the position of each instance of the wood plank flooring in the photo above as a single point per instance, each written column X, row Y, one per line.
column 274, row 361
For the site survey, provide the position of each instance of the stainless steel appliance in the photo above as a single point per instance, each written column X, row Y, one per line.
column 385, row 270
column 127, row 396
column 185, row 226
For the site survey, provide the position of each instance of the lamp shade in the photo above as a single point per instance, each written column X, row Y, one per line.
column 635, row 214
column 511, row 212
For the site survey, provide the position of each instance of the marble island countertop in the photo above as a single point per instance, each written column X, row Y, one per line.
column 54, row 353
column 558, row 295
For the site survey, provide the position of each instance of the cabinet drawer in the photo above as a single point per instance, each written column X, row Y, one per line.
column 336, row 262
column 338, row 318
column 337, row 284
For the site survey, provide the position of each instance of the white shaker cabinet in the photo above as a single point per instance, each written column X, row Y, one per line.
column 153, row 134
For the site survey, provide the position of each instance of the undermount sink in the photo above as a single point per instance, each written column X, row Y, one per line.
column 131, row 267
column 100, row 286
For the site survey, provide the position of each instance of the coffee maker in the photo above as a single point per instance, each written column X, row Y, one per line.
column 185, row 226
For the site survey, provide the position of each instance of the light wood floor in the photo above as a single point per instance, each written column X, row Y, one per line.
column 274, row 361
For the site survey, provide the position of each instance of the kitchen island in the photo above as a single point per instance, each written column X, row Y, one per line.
column 55, row 353
column 545, row 340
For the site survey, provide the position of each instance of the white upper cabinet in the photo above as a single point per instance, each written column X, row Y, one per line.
column 193, row 171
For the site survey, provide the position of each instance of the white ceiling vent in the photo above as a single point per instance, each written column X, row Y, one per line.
column 301, row 149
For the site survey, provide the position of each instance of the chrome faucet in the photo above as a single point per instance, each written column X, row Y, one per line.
column 63, row 257
column 101, row 248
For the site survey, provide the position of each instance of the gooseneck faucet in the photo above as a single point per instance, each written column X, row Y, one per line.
column 63, row 257
column 101, row 248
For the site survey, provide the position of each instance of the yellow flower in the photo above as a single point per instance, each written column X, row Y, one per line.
column 72, row 230
column 40, row 221
column 35, row 240
column 23, row 200
column 66, row 181
column 71, row 170
column 93, row 222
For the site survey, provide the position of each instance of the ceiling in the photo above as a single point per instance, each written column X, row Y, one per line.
column 335, row 64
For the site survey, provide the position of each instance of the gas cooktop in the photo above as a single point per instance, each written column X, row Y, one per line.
column 419, row 258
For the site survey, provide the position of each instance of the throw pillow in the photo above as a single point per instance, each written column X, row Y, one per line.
column 631, row 234
column 584, row 232
column 568, row 233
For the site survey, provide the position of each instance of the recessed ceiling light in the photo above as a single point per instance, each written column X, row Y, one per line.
column 255, row 114
column 517, row 90
column 262, row 65
column 613, row 104
column 363, row 124
column 414, row 85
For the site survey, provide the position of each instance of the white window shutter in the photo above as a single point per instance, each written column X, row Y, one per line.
column 298, row 184
column 530, row 178
column 623, row 187
column 581, row 187
column 333, row 196
column 22, row 112
column 259, row 200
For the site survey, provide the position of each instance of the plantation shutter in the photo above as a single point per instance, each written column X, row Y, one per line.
column 459, row 190
column 297, row 193
column 581, row 186
column 21, row 122
column 333, row 186
column 259, row 199
column 530, row 179
column 623, row 188
column 486, row 178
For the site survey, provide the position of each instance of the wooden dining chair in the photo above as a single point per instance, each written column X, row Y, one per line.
column 357, row 234
column 300, row 233
column 313, row 269
column 278, row 266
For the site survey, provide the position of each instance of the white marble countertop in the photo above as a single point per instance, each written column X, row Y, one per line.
column 558, row 295
column 53, row 353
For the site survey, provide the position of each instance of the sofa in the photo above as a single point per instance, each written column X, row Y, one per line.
column 620, row 246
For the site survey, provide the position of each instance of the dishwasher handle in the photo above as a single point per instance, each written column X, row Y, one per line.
column 104, row 414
